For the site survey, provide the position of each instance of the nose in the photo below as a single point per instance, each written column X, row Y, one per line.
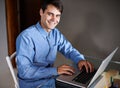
column 53, row 18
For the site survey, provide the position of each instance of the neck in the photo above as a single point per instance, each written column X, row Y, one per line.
column 47, row 30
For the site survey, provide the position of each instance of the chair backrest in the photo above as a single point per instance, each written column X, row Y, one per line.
column 12, row 71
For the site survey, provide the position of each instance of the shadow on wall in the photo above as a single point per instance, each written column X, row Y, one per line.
column 92, row 26
column 86, row 40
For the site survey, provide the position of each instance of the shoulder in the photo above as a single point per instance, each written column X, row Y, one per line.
column 56, row 31
column 27, row 35
column 59, row 33
column 30, row 31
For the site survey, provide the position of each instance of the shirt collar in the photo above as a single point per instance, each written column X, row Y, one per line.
column 42, row 31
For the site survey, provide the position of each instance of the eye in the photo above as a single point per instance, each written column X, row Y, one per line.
column 50, row 14
column 58, row 16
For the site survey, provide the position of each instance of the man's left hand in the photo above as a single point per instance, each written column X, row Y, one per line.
column 88, row 66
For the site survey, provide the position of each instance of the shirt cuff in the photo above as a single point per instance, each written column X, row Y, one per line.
column 54, row 71
column 81, row 57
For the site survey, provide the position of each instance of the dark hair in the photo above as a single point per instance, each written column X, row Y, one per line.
column 57, row 3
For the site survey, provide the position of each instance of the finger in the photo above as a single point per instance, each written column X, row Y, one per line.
column 86, row 66
column 70, row 69
column 80, row 64
column 91, row 67
column 65, row 69
column 67, row 72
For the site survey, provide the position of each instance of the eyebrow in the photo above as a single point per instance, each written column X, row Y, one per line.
column 53, row 13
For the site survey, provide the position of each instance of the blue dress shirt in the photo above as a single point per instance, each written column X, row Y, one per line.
column 36, row 52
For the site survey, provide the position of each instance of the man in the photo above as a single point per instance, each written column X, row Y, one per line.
column 37, row 48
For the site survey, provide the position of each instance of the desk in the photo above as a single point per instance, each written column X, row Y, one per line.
column 96, row 62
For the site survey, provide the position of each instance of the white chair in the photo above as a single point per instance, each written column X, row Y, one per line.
column 12, row 70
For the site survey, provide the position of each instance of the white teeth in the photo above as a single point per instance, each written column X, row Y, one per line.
column 51, row 23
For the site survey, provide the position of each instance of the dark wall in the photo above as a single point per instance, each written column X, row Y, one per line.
column 29, row 12
column 92, row 26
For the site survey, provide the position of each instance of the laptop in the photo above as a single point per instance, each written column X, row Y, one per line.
column 70, row 79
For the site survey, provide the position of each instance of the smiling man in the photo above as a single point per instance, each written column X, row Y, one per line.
column 37, row 47
column 50, row 17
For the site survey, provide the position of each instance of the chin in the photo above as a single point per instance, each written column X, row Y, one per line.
column 52, row 27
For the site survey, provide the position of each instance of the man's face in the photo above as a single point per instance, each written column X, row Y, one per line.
column 50, row 17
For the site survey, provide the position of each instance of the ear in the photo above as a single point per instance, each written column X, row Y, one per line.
column 41, row 12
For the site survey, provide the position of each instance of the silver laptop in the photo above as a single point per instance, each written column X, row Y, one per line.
column 69, row 79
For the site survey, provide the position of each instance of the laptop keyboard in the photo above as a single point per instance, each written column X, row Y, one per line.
column 84, row 77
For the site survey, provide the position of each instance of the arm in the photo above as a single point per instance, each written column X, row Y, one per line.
column 25, row 56
column 68, row 50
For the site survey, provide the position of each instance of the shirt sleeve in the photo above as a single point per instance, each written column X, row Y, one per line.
column 25, row 55
column 68, row 50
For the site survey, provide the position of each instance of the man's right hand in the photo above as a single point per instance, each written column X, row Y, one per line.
column 65, row 69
